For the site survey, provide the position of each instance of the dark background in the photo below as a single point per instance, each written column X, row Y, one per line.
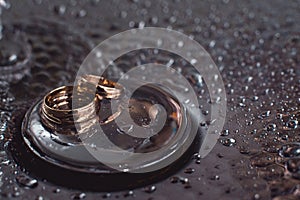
column 255, row 44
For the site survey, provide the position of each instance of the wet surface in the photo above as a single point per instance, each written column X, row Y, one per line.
column 254, row 44
column 117, row 137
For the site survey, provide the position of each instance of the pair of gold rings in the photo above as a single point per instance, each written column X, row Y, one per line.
column 60, row 113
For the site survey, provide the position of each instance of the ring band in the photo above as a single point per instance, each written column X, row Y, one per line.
column 57, row 113
column 104, row 88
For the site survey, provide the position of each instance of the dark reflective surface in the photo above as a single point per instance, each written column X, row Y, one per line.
column 255, row 44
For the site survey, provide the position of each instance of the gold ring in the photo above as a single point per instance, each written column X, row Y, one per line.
column 104, row 88
column 58, row 114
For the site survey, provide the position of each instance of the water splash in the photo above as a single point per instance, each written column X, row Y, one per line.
column 6, row 5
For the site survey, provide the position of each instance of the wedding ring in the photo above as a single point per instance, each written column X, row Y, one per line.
column 73, row 110
column 104, row 88
column 57, row 112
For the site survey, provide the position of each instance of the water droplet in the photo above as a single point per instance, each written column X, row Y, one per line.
column 256, row 196
column 130, row 193
column 264, row 114
column 183, row 180
column 196, row 79
column 215, row 177
column 79, row 196
column 255, row 98
column 189, row 170
column 290, row 150
column 59, row 9
column 57, row 190
column 81, row 13
column 225, row 132
column 228, row 141
column 26, row 181
column 271, row 127
column 220, row 155
column 212, row 43
column 174, row 179
column 39, row 198
column 141, row 24
column 150, row 189
column 107, row 195
column 197, row 157
column 292, row 124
